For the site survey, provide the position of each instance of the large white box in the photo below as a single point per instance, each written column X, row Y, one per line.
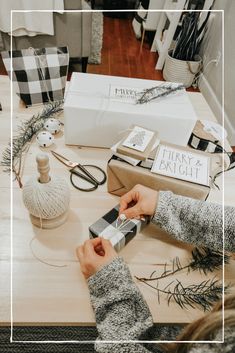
column 95, row 118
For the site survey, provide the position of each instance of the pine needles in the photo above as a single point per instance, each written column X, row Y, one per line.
column 26, row 131
column 207, row 260
column 204, row 294
column 159, row 91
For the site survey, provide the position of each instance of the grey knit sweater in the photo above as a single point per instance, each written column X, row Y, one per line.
column 121, row 312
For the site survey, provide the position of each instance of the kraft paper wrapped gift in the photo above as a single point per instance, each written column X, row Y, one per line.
column 96, row 113
column 122, row 177
column 106, row 227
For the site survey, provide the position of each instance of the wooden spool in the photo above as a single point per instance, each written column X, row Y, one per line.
column 44, row 177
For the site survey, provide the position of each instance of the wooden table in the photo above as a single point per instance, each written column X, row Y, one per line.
column 43, row 295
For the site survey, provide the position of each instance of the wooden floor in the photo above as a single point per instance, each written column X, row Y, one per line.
column 121, row 54
column 2, row 67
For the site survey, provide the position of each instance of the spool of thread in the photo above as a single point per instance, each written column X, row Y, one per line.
column 46, row 198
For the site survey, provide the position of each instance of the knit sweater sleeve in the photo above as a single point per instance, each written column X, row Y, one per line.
column 197, row 222
column 120, row 310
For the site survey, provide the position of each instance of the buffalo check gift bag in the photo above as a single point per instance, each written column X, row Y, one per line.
column 39, row 75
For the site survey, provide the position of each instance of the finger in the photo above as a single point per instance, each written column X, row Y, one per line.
column 132, row 212
column 79, row 252
column 106, row 244
column 89, row 247
column 96, row 241
column 100, row 252
column 99, row 249
column 123, row 206
column 140, row 217
column 125, row 200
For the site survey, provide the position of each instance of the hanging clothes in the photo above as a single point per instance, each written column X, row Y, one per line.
column 29, row 23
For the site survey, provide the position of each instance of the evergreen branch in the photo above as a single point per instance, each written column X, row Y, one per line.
column 203, row 259
column 158, row 92
column 207, row 260
column 203, row 295
column 26, row 131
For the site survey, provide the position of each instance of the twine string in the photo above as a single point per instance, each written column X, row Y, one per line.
column 122, row 225
column 40, row 65
column 46, row 201
column 40, row 259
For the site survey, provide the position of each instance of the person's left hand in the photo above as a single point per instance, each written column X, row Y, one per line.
column 94, row 254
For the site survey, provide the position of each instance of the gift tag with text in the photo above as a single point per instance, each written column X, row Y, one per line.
column 180, row 164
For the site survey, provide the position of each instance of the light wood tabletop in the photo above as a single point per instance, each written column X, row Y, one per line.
column 43, row 294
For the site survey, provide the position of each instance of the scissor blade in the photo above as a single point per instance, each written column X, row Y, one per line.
column 64, row 160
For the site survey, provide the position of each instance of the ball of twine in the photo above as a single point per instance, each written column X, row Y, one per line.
column 46, row 200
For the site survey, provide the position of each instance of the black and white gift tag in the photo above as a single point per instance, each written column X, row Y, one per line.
column 138, row 139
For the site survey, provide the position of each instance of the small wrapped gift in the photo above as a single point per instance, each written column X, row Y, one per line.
column 122, row 177
column 117, row 231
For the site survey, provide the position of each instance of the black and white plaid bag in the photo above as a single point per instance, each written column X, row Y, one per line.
column 39, row 75
column 110, row 227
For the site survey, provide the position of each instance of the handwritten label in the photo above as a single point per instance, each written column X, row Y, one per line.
column 181, row 165
column 125, row 94
column 214, row 129
column 132, row 95
column 138, row 139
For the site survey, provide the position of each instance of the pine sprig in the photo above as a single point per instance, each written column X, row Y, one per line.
column 25, row 133
column 207, row 260
column 203, row 295
column 203, row 259
column 159, row 91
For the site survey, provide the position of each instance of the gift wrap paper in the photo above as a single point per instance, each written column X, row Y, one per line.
column 122, row 177
column 106, row 227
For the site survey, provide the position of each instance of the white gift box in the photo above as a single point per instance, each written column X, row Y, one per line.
column 98, row 109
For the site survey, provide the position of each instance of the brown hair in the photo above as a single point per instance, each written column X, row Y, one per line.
column 205, row 327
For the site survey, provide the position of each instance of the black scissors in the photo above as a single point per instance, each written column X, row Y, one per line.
column 85, row 175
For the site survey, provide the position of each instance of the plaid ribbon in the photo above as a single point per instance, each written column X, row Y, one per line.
column 208, row 146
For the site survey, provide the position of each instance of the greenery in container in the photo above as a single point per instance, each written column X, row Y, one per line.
column 183, row 63
column 190, row 36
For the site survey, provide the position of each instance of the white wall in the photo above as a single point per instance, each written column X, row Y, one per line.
column 153, row 17
column 211, row 81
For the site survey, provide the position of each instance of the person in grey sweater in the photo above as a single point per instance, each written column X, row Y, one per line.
column 120, row 310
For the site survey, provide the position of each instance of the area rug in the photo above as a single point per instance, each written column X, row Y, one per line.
column 97, row 38
column 47, row 333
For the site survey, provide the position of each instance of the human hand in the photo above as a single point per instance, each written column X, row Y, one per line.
column 94, row 254
column 138, row 202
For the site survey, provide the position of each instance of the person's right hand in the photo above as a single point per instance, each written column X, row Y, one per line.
column 138, row 202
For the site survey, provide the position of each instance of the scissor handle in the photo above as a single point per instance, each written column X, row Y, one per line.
column 91, row 176
column 88, row 177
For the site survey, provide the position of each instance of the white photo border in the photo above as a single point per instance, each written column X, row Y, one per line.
column 11, row 194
